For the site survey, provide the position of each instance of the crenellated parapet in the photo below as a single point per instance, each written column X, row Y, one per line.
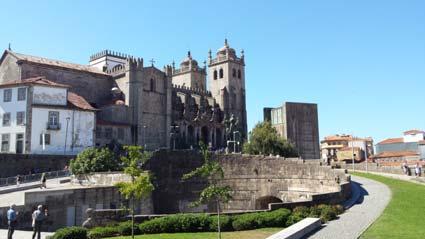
column 109, row 53
column 191, row 90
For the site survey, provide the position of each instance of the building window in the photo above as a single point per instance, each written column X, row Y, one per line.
column 5, row 138
column 239, row 74
column 20, row 118
column 7, row 95
column 6, row 119
column 46, row 139
column 22, row 94
column 215, row 74
column 221, row 73
column 98, row 132
column 53, row 118
column 108, row 133
column 121, row 133
column 153, row 87
column 233, row 72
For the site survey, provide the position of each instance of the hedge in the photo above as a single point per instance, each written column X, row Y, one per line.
column 204, row 222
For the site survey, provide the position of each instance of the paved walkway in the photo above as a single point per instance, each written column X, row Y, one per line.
column 22, row 234
column 374, row 197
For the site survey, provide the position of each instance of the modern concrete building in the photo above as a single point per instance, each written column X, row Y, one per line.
column 41, row 117
column 299, row 124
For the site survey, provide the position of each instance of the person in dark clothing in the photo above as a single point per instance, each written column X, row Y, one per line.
column 37, row 221
column 11, row 221
column 43, row 180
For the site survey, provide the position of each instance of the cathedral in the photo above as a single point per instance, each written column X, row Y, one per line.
column 137, row 103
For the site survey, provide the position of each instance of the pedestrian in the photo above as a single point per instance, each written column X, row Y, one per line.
column 18, row 180
column 404, row 167
column 37, row 221
column 11, row 221
column 43, row 181
column 418, row 170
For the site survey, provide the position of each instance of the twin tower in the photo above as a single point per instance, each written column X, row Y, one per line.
column 226, row 79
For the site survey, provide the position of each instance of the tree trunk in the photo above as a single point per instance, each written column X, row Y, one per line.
column 218, row 219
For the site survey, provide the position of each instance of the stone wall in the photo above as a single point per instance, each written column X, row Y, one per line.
column 255, row 180
column 67, row 207
column 381, row 168
column 13, row 164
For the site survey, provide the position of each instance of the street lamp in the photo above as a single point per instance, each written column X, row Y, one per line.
column 66, row 133
column 144, row 136
column 234, row 140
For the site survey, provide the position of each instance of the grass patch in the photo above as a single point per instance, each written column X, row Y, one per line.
column 404, row 217
column 251, row 234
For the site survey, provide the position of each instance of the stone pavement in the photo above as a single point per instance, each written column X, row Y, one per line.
column 22, row 234
column 374, row 197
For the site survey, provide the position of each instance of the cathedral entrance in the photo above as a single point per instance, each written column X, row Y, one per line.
column 205, row 135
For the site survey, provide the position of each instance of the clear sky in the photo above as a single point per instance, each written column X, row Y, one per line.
column 362, row 62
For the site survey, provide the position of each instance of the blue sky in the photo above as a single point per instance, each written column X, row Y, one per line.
column 362, row 62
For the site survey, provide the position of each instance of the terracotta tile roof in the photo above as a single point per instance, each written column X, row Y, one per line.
column 413, row 131
column 344, row 137
column 391, row 141
column 40, row 80
column 51, row 62
column 422, row 142
column 79, row 102
column 390, row 154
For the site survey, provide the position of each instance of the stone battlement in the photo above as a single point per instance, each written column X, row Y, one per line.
column 190, row 90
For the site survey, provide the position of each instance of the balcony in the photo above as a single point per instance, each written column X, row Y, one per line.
column 53, row 126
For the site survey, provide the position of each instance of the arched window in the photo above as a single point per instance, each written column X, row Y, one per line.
column 221, row 73
column 152, row 85
column 239, row 74
column 215, row 74
column 233, row 72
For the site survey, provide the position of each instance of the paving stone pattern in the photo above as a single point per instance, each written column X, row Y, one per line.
column 373, row 199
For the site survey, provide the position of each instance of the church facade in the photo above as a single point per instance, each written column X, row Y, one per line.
column 173, row 107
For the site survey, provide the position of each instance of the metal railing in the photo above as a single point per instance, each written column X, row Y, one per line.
column 33, row 177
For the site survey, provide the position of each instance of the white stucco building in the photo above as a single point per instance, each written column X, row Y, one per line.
column 39, row 116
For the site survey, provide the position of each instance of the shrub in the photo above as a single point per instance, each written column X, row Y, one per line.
column 124, row 228
column 302, row 211
column 71, row 233
column 339, row 209
column 277, row 218
column 314, row 212
column 94, row 160
column 176, row 223
column 327, row 213
column 294, row 218
column 101, row 232
column 225, row 223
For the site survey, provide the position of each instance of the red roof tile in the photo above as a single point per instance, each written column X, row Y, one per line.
column 51, row 62
column 40, row 80
column 390, row 154
column 391, row 141
column 79, row 102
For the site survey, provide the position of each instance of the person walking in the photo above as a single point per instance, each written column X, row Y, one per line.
column 43, row 180
column 404, row 167
column 11, row 221
column 18, row 180
column 37, row 221
column 418, row 170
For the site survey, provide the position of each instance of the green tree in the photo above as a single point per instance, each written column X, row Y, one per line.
column 94, row 160
column 213, row 173
column 264, row 140
column 140, row 185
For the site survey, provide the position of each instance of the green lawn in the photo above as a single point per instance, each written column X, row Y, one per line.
column 252, row 234
column 404, row 217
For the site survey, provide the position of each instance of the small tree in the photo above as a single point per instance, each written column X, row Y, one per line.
column 94, row 160
column 140, row 185
column 264, row 140
column 214, row 192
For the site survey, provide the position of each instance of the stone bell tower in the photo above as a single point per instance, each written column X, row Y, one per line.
column 190, row 74
column 226, row 77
